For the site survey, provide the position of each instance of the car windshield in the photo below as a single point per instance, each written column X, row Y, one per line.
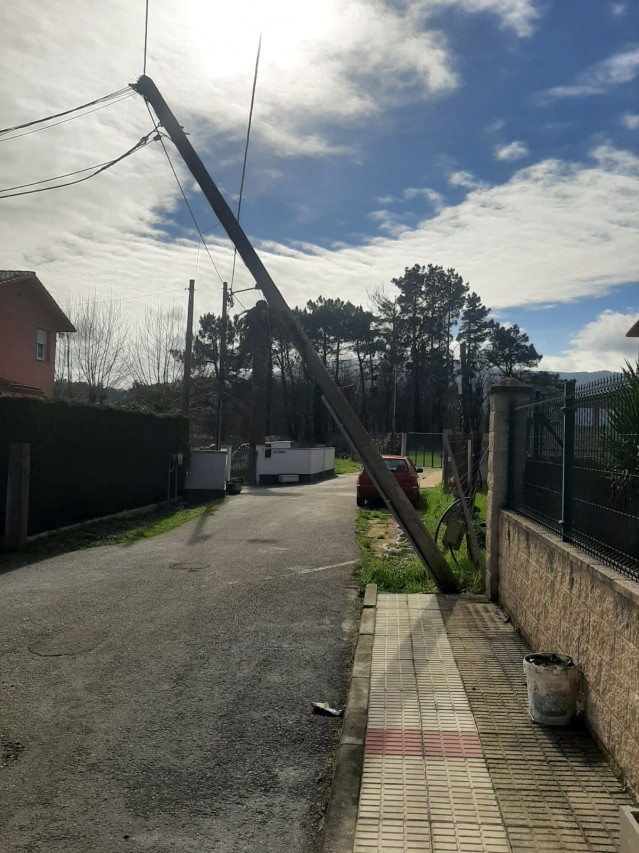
column 396, row 465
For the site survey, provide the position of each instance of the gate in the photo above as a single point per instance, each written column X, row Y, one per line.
column 424, row 449
column 242, row 463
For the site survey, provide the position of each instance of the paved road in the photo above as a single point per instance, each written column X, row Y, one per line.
column 157, row 697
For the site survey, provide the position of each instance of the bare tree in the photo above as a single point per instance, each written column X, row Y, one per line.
column 93, row 358
column 155, row 365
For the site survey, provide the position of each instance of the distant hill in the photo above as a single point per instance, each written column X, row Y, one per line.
column 585, row 377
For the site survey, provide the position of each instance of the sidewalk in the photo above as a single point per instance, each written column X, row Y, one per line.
column 452, row 762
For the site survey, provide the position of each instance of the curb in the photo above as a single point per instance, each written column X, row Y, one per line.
column 338, row 832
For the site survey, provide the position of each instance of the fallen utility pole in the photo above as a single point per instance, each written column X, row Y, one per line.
column 402, row 509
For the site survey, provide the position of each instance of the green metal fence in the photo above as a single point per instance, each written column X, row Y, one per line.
column 581, row 474
column 425, row 449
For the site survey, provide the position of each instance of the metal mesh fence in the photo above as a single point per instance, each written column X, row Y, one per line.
column 425, row 449
column 581, row 470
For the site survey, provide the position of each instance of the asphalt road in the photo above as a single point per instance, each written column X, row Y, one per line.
column 157, row 696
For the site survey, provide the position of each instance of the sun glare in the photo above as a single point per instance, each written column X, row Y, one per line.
column 226, row 35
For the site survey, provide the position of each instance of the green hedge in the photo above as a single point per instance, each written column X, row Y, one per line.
column 86, row 461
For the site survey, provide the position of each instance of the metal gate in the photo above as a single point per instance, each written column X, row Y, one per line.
column 425, row 449
column 242, row 463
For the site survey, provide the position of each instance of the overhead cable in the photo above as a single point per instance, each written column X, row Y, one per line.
column 246, row 147
column 6, row 193
column 190, row 209
column 102, row 100
column 65, row 120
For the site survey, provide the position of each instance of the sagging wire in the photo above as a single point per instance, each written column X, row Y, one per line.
column 105, row 101
column 7, row 193
column 246, row 147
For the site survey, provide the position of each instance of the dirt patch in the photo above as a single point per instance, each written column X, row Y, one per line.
column 382, row 531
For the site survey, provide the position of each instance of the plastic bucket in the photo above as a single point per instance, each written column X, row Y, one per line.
column 552, row 688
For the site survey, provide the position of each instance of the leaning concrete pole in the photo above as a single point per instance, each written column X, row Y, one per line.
column 394, row 497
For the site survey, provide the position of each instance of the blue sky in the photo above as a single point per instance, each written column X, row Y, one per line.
column 498, row 137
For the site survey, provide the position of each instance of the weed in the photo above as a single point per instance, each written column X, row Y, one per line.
column 346, row 466
column 400, row 571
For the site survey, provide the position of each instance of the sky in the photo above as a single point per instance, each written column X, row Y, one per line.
column 496, row 137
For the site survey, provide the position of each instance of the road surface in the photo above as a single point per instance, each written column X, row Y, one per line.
column 157, row 696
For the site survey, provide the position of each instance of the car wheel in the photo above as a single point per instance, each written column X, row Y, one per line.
column 361, row 501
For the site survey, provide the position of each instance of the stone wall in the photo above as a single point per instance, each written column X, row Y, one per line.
column 562, row 600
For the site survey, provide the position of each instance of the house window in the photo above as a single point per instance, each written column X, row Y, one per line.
column 41, row 345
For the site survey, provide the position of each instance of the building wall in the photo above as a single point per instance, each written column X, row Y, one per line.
column 564, row 601
column 22, row 313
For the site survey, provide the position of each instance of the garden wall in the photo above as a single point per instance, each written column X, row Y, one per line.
column 88, row 462
column 562, row 600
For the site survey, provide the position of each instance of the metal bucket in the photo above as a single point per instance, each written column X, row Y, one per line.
column 552, row 681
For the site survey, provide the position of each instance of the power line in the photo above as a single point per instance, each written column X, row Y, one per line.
column 66, row 112
column 186, row 201
column 142, row 142
column 65, row 120
column 142, row 296
column 146, row 33
column 56, row 178
column 248, row 136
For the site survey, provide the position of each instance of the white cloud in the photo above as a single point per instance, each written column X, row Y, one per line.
column 512, row 151
column 619, row 10
column 555, row 232
column 519, row 15
column 631, row 121
column 466, row 180
column 599, row 78
column 599, row 345
column 435, row 198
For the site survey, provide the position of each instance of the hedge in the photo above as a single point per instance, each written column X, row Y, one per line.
column 88, row 461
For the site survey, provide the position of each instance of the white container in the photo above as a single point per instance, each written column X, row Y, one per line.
column 552, row 681
column 629, row 826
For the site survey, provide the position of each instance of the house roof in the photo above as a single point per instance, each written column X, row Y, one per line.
column 633, row 331
column 63, row 324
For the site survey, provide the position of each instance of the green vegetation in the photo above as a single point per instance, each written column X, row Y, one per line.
column 424, row 457
column 346, row 466
column 395, row 568
column 119, row 531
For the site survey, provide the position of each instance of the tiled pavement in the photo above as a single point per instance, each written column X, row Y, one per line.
column 452, row 762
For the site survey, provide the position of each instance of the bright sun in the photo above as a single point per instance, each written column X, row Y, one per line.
column 227, row 34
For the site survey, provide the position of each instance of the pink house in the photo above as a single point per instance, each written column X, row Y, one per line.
column 30, row 318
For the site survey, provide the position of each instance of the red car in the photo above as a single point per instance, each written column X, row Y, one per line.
column 404, row 472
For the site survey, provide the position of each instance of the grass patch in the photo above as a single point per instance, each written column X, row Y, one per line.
column 425, row 458
column 119, row 531
column 397, row 570
column 346, row 466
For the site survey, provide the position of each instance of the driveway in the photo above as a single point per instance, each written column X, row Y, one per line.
column 157, row 697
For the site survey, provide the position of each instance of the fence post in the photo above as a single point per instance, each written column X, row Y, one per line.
column 500, row 436
column 17, row 510
column 567, row 458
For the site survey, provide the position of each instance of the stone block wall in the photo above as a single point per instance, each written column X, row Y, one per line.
column 562, row 600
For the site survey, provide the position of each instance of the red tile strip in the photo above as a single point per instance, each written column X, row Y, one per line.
column 430, row 744
column 402, row 742
column 452, row 745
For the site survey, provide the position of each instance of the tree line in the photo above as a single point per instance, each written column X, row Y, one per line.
column 401, row 361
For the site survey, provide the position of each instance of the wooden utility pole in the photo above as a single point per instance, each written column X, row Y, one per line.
column 259, row 342
column 186, row 382
column 221, row 373
column 398, row 503
column 465, row 390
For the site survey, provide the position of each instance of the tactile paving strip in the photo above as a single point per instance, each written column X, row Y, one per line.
column 423, row 762
column 554, row 788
